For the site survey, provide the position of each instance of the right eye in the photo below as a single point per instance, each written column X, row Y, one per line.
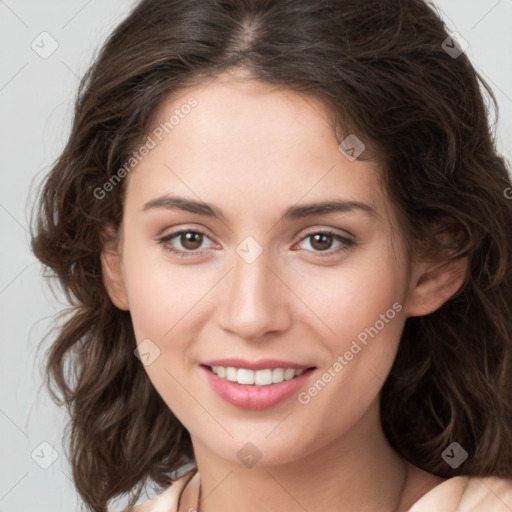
column 189, row 239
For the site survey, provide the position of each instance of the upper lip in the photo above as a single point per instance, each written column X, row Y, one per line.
column 261, row 364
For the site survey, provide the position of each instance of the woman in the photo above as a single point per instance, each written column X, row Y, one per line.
column 284, row 230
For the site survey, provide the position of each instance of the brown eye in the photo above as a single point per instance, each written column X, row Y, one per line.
column 186, row 242
column 321, row 241
column 191, row 240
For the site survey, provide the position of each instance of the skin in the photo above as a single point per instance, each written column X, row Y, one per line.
column 253, row 151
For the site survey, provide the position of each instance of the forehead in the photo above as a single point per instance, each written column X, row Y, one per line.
column 248, row 143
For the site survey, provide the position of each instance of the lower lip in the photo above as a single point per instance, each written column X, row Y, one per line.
column 255, row 397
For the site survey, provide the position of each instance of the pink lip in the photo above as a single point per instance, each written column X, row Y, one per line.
column 262, row 364
column 251, row 396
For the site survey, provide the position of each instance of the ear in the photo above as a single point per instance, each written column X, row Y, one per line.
column 435, row 285
column 112, row 269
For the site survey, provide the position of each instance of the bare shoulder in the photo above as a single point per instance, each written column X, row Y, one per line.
column 492, row 494
column 468, row 494
column 168, row 500
column 148, row 506
column 165, row 501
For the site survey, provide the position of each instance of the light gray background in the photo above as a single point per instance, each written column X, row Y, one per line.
column 36, row 98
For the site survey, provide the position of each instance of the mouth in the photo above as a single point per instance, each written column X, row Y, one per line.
column 265, row 385
column 263, row 377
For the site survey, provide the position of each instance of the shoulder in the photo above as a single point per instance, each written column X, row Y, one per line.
column 467, row 494
column 169, row 499
column 492, row 494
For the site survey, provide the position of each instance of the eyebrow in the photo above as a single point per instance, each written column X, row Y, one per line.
column 292, row 213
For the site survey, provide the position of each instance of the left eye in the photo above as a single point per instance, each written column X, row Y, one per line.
column 322, row 241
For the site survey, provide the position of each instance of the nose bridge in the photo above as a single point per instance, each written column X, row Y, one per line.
column 253, row 301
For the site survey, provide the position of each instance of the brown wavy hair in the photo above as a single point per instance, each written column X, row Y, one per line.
column 382, row 69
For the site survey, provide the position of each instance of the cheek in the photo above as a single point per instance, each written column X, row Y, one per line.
column 163, row 302
column 365, row 311
column 161, row 295
column 361, row 309
column 351, row 298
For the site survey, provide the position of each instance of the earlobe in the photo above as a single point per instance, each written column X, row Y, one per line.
column 113, row 275
column 435, row 285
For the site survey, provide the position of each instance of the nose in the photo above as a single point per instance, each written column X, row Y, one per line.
column 255, row 302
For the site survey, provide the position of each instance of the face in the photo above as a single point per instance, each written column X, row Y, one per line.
column 225, row 261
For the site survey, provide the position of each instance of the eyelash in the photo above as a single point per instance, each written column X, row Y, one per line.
column 346, row 243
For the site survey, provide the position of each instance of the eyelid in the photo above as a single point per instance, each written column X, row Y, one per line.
column 312, row 230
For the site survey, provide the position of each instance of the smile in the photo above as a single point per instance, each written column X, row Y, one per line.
column 268, row 383
column 264, row 377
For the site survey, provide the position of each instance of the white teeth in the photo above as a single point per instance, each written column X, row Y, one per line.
column 289, row 373
column 231, row 373
column 256, row 377
column 245, row 376
column 277, row 375
column 262, row 377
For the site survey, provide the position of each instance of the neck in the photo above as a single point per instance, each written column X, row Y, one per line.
column 357, row 471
